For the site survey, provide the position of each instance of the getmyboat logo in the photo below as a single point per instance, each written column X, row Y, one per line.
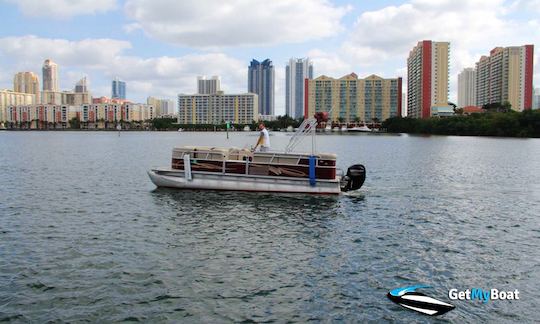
column 409, row 298
column 483, row 295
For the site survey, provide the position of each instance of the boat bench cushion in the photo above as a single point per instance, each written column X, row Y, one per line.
column 201, row 152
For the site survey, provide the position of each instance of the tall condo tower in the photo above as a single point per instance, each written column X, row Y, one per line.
column 118, row 89
column 427, row 84
column 81, row 86
column 208, row 86
column 50, row 76
column 261, row 82
column 296, row 72
column 506, row 75
column 27, row 82
column 467, row 87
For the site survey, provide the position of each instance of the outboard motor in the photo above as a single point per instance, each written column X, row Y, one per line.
column 354, row 179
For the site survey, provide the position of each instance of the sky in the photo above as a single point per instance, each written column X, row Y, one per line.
column 159, row 47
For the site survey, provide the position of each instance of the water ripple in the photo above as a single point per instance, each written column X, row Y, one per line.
column 84, row 236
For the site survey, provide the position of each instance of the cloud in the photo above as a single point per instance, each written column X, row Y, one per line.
column 103, row 59
column 216, row 23
column 396, row 30
column 168, row 76
column 63, row 8
column 381, row 39
column 91, row 53
column 329, row 64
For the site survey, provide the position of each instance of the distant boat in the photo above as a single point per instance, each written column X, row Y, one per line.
column 2, row 127
column 247, row 129
column 180, row 129
column 328, row 128
column 344, row 128
column 361, row 129
column 335, row 129
column 118, row 127
column 290, row 129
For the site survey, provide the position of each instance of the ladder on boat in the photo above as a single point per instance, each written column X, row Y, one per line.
column 307, row 127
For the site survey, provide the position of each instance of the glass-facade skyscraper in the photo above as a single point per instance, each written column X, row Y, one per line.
column 295, row 73
column 261, row 82
column 118, row 89
column 50, row 75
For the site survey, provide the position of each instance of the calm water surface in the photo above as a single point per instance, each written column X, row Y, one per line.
column 85, row 236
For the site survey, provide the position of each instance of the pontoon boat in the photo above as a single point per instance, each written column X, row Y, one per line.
column 213, row 168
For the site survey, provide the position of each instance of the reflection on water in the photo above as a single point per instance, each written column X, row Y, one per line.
column 247, row 201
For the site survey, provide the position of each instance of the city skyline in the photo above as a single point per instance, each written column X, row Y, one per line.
column 345, row 37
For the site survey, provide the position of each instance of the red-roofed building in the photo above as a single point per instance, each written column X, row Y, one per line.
column 467, row 110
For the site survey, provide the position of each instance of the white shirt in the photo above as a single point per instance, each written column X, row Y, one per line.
column 266, row 138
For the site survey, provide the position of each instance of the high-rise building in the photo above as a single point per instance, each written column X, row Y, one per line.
column 295, row 73
column 168, row 107
column 163, row 107
column 27, row 82
column 217, row 108
column 65, row 98
column 427, row 82
column 536, row 99
column 467, row 87
column 208, row 86
column 403, row 105
column 47, row 116
column 50, row 76
column 9, row 97
column 506, row 75
column 118, row 89
column 352, row 99
column 81, row 86
column 261, row 82
column 153, row 101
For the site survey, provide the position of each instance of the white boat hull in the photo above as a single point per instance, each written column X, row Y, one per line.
column 164, row 177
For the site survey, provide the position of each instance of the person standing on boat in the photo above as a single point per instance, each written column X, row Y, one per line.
column 264, row 139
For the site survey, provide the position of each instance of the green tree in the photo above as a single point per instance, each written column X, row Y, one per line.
column 511, row 123
column 75, row 123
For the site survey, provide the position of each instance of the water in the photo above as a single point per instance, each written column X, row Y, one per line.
column 85, row 237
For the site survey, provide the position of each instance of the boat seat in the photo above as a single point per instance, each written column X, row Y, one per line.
column 327, row 156
column 238, row 154
column 201, row 152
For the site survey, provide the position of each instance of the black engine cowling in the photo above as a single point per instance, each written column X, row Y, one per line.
column 354, row 179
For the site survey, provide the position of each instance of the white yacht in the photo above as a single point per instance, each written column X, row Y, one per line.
column 362, row 129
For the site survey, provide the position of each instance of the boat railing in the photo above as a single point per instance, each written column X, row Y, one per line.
column 306, row 128
column 258, row 163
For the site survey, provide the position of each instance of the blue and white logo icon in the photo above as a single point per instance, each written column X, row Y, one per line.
column 409, row 298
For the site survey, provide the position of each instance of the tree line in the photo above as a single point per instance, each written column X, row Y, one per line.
column 172, row 124
column 496, row 121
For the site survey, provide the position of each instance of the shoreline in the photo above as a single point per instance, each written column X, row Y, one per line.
column 276, row 131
